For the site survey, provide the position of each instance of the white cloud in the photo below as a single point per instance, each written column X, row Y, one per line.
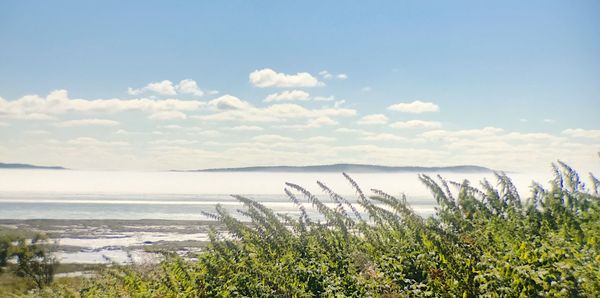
column 92, row 142
column 416, row 124
column 172, row 126
column 352, row 130
column 373, row 119
column 274, row 113
column 324, row 98
column 252, row 115
column 132, row 91
column 87, row 122
column 296, row 111
column 339, row 103
column 288, row 95
column 313, row 123
column 173, row 142
column 192, row 131
column 466, row 133
column 383, row 137
column 164, row 87
column 271, row 138
column 30, row 116
column 189, row 86
column 320, row 139
column 530, row 137
column 326, row 75
column 548, row 120
column 247, row 128
column 511, row 150
column 269, row 78
column 229, row 102
column 415, row 107
column 321, row 121
column 37, row 132
column 58, row 102
column 366, row 89
column 582, row 133
column 168, row 115
column 206, row 132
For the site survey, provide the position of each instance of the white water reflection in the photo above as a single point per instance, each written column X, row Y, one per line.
column 29, row 194
column 141, row 183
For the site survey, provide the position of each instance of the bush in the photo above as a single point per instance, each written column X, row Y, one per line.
column 483, row 241
column 32, row 257
column 5, row 243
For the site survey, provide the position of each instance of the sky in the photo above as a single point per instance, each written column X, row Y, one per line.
column 159, row 85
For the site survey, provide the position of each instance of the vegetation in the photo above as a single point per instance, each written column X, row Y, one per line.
column 25, row 260
column 483, row 241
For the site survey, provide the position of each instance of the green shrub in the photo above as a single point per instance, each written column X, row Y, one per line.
column 5, row 244
column 32, row 259
column 483, row 241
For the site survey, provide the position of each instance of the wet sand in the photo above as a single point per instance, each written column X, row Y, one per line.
column 120, row 241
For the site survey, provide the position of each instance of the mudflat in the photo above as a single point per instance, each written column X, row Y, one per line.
column 121, row 241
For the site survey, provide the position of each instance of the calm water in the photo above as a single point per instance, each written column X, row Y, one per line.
column 27, row 194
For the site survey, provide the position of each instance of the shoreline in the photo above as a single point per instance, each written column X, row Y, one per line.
column 99, row 241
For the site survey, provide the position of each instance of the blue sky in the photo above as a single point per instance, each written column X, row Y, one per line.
column 529, row 70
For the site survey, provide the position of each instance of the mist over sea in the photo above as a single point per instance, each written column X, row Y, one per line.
column 71, row 194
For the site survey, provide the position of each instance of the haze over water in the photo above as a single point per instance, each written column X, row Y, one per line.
column 27, row 194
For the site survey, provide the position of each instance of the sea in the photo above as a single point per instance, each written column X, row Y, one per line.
column 72, row 194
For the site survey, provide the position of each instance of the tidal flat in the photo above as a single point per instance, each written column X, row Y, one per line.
column 95, row 241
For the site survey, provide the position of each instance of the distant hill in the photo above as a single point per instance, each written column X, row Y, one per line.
column 27, row 166
column 352, row 168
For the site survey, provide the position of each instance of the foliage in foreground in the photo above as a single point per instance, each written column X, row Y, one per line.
column 25, row 257
column 483, row 241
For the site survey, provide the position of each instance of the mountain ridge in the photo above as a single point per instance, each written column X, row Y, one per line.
column 29, row 166
column 351, row 168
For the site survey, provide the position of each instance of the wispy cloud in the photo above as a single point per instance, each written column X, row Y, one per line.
column 269, row 138
column 229, row 102
column 324, row 98
column 416, row 124
column 415, row 107
column 168, row 115
column 87, row 122
column 288, row 95
column 383, row 137
column 373, row 119
column 582, row 133
column 234, row 109
column 247, row 128
column 326, row 75
column 267, row 77
column 166, row 87
column 58, row 102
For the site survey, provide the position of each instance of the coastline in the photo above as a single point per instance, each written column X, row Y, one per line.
column 100, row 241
